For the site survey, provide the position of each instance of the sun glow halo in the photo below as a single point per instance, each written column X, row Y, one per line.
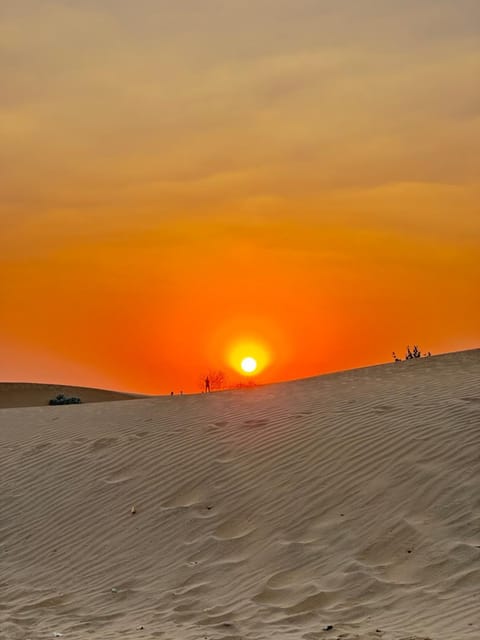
column 248, row 357
column 249, row 365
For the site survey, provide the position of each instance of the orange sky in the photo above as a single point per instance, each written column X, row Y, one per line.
column 178, row 178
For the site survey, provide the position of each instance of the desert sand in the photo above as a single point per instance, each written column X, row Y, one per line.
column 350, row 500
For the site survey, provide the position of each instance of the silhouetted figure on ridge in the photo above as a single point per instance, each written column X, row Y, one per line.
column 207, row 385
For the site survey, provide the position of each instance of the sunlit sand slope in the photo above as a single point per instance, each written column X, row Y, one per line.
column 350, row 500
column 25, row 394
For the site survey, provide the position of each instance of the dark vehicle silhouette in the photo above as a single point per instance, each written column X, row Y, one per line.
column 61, row 399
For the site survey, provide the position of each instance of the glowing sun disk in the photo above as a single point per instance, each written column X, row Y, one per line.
column 249, row 365
column 248, row 357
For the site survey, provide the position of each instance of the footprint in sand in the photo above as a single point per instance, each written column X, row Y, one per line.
column 234, row 529
column 101, row 443
column 186, row 497
column 40, row 447
column 138, row 435
column 204, row 511
column 383, row 408
column 261, row 422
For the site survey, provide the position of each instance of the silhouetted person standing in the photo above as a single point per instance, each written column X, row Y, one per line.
column 207, row 385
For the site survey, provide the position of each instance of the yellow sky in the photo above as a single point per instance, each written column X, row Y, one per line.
column 177, row 175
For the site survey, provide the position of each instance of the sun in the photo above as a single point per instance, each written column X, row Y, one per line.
column 248, row 356
column 249, row 365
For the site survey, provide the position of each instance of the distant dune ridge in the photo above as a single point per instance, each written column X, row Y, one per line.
column 350, row 500
column 23, row 394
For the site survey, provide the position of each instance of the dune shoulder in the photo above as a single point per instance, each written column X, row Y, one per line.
column 27, row 394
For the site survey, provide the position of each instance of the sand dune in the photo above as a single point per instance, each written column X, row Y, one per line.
column 22, row 394
column 350, row 500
